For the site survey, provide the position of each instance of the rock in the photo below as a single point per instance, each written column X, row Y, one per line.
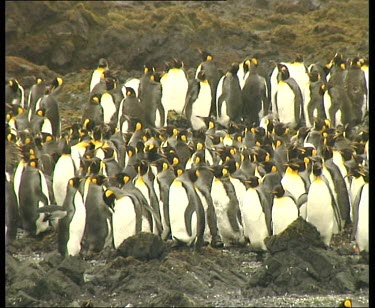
column 172, row 298
column 74, row 268
column 362, row 275
column 143, row 246
column 300, row 263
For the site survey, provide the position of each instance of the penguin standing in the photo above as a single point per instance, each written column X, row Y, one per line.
column 254, row 96
column 96, row 75
column 175, row 86
column 128, row 216
column 71, row 228
column 63, row 171
column 150, row 97
column 284, row 210
column 186, row 212
column 98, row 228
column 364, row 68
column 15, row 93
column 226, row 208
column 11, row 211
column 229, row 98
column 36, row 92
column 198, row 101
column 256, row 215
column 212, row 74
column 288, row 99
column 93, row 111
column 321, row 206
column 356, row 89
column 315, row 107
column 130, row 106
column 361, row 216
column 33, row 194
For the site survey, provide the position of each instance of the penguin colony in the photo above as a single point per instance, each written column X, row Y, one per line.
column 259, row 150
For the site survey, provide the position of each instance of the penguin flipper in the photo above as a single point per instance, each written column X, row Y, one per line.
column 302, row 199
column 355, row 207
column 267, row 209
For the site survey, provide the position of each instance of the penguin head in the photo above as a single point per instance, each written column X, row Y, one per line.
column 220, row 171
column 14, row 85
column 298, row 59
column 123, row 178
column 231, row 165
column 98, row 179
column 148, row 69
column 103, row 63
column 56, row 82
column 206, row 56
column 47, row 137
column 109, row 152
column 202, row 76
column 33, row 162
column 178, row 170
column 283, row 73
column 314, row 76
column 346, row 303
column 95, row 99
column 253, row 181
column 234, row 68
column 156, row 76
column 294, row 164
column 161, row 164
column 278, row 191
column 39, row 80
column 109, row 198
column 268, row 166
column 142, row 167
column 176, row 63
column 75, row 182
column 130, row 92
column 41, row 112
column 317, row 168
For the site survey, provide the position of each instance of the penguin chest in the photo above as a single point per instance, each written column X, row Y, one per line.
column 46, row 126
column 239, row 189
column 284, row 212
column 76, row 226
column 178, row 205
column 363, row 220
column 109, row 107
column 294, row 184
column 175, row 86
column 124, row 220
column 319, row 209
column 285, row 103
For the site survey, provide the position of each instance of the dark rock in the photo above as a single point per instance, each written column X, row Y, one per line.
column 299, row 234
column 362, row 275
column 143, row 246
column 172, row 298
column 74, row 268
column 300, row 263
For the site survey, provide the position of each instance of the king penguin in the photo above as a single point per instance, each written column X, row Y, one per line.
column 361, row 216
column 11, row 211
column 212, row 74
column 254, row 96
column 320, row 208
column 33, row 194
column 228, row 96
column 96, row 75
column 256, row 215
column 35, row 93
column 130, row 106
column 288, row 99
column 70, row 229
column 186, row 212
column 175, row 86
column 198, row 101
column 284, row 210
column 15, row 93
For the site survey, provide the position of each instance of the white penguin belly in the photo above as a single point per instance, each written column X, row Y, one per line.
column 294, row 184
column 178, row 202
column 46, row 126
column 319, row 210
column 77, row 226
column 285, row 104
column 284, row 212
column 109, row 107
column 175, row 86
column 253, row 219
column 207, row 233
column 140, row 184
column 363, row 220
column 63, row 171
column 123, row 220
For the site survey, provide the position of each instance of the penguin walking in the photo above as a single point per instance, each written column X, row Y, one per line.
column 284, row 210
column 361, row 216
column 229, row 98
column 186, row 212
column 212, row 74
column 71, row 228
column 288, row 100
column 256, row 215
column 254, row 96
column 198, row 101
column 226, row 208
column 320, row 208
column 175, row 86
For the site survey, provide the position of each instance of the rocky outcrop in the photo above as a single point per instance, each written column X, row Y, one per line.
column 300, row 263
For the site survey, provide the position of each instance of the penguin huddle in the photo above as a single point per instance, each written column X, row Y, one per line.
column 230, row 178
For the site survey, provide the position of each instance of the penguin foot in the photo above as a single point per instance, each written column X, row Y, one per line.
column 217, row 243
